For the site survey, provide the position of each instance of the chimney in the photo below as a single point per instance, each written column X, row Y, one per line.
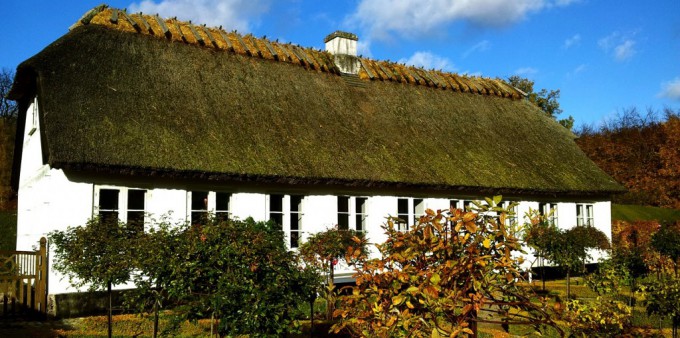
column 343, row 46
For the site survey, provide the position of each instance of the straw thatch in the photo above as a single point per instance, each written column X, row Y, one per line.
column 120, row 99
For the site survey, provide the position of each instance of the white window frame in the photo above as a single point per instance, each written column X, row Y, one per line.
column 546, row 208
column 415, row 207
column 585, row 214
column 211, row 207
column 122, row 201
column 356, row 218
column 511, row 220
column 287, row 213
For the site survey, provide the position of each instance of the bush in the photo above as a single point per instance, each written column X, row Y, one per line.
column 433, row 279
column 599, row 318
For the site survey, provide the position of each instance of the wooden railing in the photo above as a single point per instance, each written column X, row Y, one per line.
column 23, row 282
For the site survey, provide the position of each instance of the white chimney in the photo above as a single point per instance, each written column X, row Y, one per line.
column 343, row 46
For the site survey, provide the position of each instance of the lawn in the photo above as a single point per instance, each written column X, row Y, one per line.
column 141, row 326
column 631, row 213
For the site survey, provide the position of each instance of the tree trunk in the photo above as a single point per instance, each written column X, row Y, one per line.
column 330, row 302
column 155, row 311
column 543, row 273
column 568, row 286
column 110, row 310
column 311, row 316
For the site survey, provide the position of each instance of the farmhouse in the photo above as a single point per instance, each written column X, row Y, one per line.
column 137, row 117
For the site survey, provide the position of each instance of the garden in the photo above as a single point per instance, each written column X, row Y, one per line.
column 455, row 273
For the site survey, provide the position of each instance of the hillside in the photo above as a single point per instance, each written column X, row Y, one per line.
column 640, row 152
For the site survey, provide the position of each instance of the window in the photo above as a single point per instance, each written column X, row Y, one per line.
column 584, row 214
column 453, row 204
column 361, row 213
column 295, row 220
column 512, row 217
column 121, row 204
column 467, row 206
column 135, row 209
column 550, row 211
column 287, row 212
column 418, row 209
column 276, row 210
column 199, row 207
column 203, row 203
column 352, row 213
column 108, row 205
column 343, row 212
column 222, row 206
column 402, row 214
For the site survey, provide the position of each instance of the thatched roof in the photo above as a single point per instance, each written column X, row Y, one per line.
column 148, row 99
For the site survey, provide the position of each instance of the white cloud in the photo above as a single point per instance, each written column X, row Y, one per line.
column 625, row 50
column 578, row 70
column 621, row 46
column 671, row 89
column 572, row 41
column 417, row 18
column 231, row 14
column 478, row 47
column 428, row 60
column 526, row 71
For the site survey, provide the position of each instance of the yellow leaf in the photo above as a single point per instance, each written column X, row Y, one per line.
column 397, row 300
column 487, row 243
column 435, row 333
column 408, row 303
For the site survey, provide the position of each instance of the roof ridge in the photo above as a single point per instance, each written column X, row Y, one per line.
column 309, row 58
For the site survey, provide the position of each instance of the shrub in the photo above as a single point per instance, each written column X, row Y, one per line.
column 435, row 278
column 599, row 318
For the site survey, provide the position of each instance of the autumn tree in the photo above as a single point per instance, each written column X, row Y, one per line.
column 546, row 100
column 322, row 251
column 434, row 279
column 639, row 150
column 667, row 242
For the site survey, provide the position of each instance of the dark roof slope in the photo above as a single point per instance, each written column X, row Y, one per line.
column 117, row 100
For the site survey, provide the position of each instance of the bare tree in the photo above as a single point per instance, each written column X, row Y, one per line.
column 8, row 108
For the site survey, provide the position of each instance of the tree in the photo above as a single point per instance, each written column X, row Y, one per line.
column 667, row 242
column 662, row 297
column 161, row 242
column 546, row 100
column 8, row 108
column 322, row 250
column 570, row 248
column 638, row 149
column 94, row 255
column 433, row 279
column 539, row 235
column 241, row 273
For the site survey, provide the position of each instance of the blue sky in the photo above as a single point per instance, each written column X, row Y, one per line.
column 604, row 55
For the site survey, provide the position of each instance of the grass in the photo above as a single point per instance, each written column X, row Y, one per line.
column 8, row 230
column 631, row 213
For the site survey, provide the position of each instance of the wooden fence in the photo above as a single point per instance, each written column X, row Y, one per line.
column 23, row 283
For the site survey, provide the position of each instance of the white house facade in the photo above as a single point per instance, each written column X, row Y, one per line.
column 106, row 145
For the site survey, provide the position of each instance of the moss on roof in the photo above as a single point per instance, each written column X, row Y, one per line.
column 119, row 98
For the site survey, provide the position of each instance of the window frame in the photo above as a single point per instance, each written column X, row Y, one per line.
column 123, row 209
column 585, row 214
column 288, row 214
column 211, row 205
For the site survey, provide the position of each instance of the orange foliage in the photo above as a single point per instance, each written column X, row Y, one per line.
column 643, row 156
